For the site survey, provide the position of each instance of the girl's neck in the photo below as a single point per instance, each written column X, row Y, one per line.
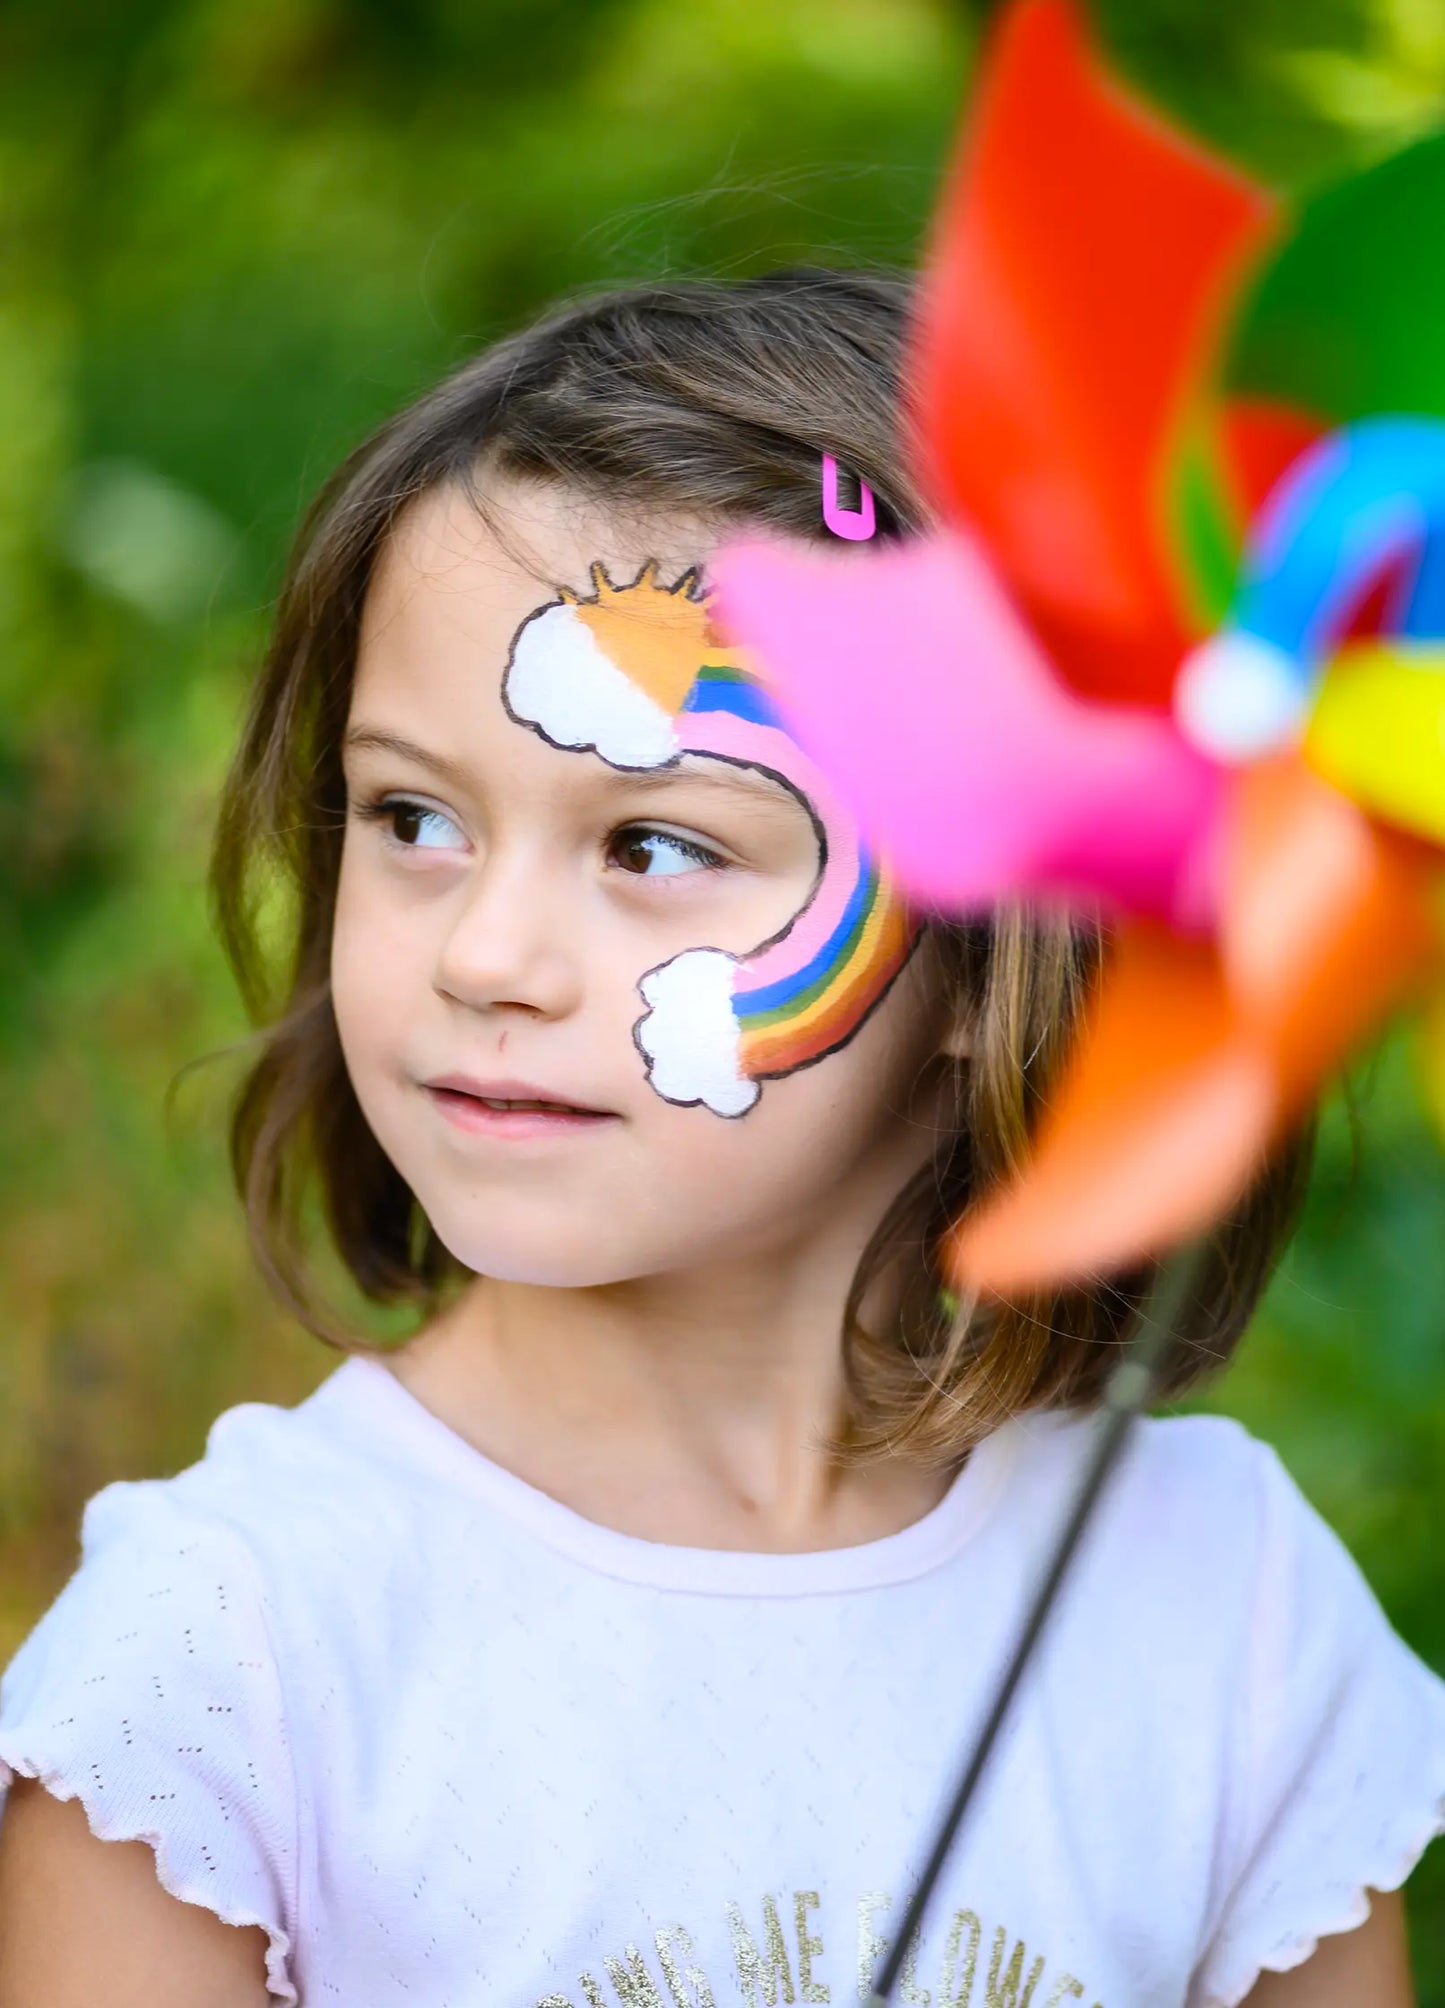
column 692, row 1410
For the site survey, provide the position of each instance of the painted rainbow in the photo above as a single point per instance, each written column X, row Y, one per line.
column 790, row 1018
column 637, row 675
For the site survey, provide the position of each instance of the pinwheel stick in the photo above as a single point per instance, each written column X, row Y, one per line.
column 1132, row 1385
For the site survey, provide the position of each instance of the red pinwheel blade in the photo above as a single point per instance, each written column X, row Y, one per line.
column 1084, row 258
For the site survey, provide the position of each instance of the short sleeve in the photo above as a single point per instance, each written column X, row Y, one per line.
column 149, row 1691
column 1341, row 1754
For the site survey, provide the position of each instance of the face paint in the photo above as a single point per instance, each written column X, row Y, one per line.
column 636, row 675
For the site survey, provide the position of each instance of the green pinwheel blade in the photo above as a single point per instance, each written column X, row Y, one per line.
column 1348, row 318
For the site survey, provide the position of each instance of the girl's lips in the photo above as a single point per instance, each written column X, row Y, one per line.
column 515, row 1118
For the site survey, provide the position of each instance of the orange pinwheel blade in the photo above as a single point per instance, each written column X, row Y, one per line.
column 1161, row 1117
column 1327, row 921
column 1194, row 1057
column 1084, row 257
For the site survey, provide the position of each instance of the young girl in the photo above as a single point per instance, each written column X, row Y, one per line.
column 612, row 1642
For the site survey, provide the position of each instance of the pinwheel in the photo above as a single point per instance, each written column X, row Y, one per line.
column 1174, row 652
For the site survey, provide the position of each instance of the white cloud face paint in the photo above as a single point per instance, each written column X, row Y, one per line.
column 562, row 682
column 636, row 674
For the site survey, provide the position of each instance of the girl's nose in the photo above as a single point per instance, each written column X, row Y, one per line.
column 511, row 944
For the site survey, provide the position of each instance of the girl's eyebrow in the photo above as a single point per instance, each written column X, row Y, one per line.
column 360, row 736
column 711, row 772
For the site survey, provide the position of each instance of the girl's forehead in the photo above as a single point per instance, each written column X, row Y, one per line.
column 451, row 566
column 456, row 589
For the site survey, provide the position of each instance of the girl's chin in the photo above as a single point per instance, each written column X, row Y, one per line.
column 578, row 1238
column 561, row 1262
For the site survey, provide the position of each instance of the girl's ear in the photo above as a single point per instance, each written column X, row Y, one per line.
column 953, row 1008
column 960, row 1025
column 957, row 1042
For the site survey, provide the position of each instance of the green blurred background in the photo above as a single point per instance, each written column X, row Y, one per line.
column 234, row 239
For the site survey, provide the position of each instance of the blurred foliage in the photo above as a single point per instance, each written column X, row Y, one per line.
column 236, row 238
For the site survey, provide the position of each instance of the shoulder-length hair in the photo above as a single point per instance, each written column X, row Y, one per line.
column 718, row 400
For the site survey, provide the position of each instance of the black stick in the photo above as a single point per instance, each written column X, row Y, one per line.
column 1131, row 1386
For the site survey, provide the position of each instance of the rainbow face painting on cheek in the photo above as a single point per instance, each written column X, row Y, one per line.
column 635, row 675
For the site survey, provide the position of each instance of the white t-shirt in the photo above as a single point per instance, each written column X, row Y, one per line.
column 455, row 1746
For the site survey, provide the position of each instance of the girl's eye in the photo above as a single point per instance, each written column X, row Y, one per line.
column 641, row 851
column 396, row 810
column 649, row 853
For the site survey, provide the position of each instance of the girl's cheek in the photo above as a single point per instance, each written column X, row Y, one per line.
column 381, row 957
column 733, row 908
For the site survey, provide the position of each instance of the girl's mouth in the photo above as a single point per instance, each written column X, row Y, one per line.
column 515, row 1116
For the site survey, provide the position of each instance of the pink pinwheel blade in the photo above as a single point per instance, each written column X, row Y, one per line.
column 969, row 764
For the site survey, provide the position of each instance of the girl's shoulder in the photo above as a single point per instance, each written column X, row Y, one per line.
column 1206, row 1550
column 1196, row 1495
column 281, row 1493
column 1168, row 1457
column 1224, row 1637
column 330, row 1455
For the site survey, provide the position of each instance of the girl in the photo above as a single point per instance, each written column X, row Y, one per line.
column 610, row 1643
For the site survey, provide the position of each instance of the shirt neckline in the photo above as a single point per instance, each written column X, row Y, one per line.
column 371, row 1394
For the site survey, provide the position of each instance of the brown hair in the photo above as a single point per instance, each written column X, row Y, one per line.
column 716, row 399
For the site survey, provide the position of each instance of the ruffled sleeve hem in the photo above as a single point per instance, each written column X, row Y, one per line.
column 1337, row 1905
column 1341, row 1749
column 149, row 1691
column 191, row 1880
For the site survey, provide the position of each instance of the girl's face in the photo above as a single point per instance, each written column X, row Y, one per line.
column 506, row 889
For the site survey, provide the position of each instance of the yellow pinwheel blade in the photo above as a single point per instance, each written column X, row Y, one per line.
column 1378, row 732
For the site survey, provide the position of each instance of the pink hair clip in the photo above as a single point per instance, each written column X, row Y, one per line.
column 855, row 524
